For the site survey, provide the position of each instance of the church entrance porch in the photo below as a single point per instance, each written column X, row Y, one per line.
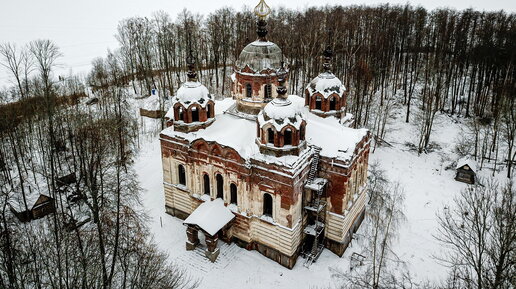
column 210, row 218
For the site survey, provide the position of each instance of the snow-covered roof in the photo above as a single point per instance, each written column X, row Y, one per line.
column 16, row 200
column 326, row 84
column 260, row 55
column 211, row 216
column 336, row 140
column 151, row 103
column 282, row 112
column 192, row 92
column 467, row 161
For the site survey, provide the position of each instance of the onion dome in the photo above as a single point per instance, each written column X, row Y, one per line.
column 193, row 106
column 254, row 82
column 326, row 95
column 259, row 56
column 281, row 124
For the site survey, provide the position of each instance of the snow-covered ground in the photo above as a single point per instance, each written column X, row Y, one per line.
column 428, row 189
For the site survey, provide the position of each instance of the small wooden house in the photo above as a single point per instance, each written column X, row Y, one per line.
column 466, row 171
column 38, row 206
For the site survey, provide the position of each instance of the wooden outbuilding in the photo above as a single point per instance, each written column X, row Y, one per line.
column 38, row 206
column 151, row 106
column 466, row 171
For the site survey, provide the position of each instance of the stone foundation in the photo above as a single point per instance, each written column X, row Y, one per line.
column 340, row 247
column 176, row 213
column 273, row 254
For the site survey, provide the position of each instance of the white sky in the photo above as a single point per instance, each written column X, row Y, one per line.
column 84, row 29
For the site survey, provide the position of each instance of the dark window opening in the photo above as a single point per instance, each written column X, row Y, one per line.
column 181, row 114
column 270, row 136
column 206, row 185
column 248, row 90
column 233, row 190
column 182, row 175
column 195, row 114
column 268, row 91
column 333, row 103
column 220, row 186
column 318, row 103
column 267, row 205
column 288, row 136
column 302, row 132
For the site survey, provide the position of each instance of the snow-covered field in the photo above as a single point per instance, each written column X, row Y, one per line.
column 428, row 189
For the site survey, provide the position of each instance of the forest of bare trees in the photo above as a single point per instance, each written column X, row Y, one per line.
column 80, row 157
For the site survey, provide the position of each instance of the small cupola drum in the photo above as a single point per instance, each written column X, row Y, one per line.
column 281, row 126
column 193, row 107
column 326, row 95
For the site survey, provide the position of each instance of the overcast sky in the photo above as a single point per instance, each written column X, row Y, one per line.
column 84, row 29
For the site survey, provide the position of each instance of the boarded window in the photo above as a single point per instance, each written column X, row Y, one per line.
column 233, row 190
column 268, row 91
column 267, row 205
column 220, row 186
column 181, row 175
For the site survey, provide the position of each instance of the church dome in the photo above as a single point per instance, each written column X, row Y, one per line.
column 281, row 113
column 260, row 55
column 326, row 84
column 326, row 95
column 192, row 92
column 193, row 107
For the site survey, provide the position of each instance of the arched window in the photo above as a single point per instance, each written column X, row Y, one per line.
column 307, row 98
column 267, row 91
column 233, row 190
column 302, row 132
column 267, row 205
column 333, row 103
column 318, row 102
column 206, row 184
column 248, row 90
column 287, row 137
column 210, row 111
column 220, row 186
column 195, row 114
column 181, row 114
column 270, row 136
column 181, row 175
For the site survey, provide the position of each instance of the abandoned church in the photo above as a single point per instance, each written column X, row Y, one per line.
column 269, row 171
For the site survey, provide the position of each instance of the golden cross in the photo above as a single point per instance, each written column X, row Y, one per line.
column 262, row 9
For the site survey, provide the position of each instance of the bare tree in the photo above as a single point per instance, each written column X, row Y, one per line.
column 19, row 63
column 381, row 268
column 479, row 232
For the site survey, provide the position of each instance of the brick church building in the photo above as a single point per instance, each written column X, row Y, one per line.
column 277, row 173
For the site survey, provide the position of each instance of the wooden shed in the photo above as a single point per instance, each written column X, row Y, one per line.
column 466, row 171
column 151, row 106
column 38, row 206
